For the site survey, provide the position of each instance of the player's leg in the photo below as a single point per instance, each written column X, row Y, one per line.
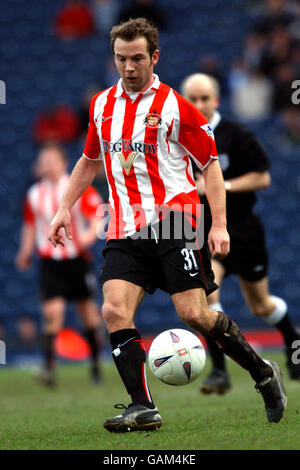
column 274, row 311
column 192, row 308
column 120, row 302
column 53, row 311
column 91, row 320
column 218, row 380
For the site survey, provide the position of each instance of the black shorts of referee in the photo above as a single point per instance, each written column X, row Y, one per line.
column 248, row 257
column 72, row 279
column 159, row 261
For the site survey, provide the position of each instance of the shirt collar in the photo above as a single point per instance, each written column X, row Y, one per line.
column 154, row 87
column 215, row 120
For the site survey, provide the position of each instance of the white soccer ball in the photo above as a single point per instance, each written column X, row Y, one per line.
column 176, row 357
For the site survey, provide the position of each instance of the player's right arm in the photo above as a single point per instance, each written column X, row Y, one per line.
column 81, row 178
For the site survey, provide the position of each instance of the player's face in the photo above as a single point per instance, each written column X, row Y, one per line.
column 134, row 63
column 50, row 164
column 203, row 96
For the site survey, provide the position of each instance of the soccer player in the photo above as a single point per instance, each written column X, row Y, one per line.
column 65, row 273
column 245, row 167
column 144, row 132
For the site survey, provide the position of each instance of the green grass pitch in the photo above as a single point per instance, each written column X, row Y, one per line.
column 71, row 416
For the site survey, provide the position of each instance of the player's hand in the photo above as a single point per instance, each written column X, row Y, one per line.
column 62, row 220
column 23, row 261
column 218, row 242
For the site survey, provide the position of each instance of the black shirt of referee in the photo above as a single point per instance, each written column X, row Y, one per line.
column 239, row 153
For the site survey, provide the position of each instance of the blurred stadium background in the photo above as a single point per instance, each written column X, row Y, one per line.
column 252, row 47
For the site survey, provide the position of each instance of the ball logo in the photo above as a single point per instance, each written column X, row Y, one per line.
column 187, row 369
column 182, row 352
column 161, row 360
column 153, row 119
column 174, row 337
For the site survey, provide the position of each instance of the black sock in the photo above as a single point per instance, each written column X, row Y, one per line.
column 49, row 351
column 216, row 353
column 287, row 330
column 130, row 357
column 93, row 339
column 233, row 343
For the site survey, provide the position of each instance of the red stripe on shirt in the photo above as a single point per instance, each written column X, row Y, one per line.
column 92, row 144
column 194, row 139
column 116, row 223
column 158, row 187
column 28, row 214
column 133, row 192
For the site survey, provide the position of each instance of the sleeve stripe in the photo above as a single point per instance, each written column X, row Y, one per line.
column 99, row 159
column 209, row 161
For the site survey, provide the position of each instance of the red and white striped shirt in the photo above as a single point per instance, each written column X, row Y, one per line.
column 145, row 141
column 40, row 207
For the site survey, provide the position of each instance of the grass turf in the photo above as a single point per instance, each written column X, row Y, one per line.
column 71, row 416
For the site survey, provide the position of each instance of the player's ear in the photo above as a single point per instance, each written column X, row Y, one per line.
column 155, row 57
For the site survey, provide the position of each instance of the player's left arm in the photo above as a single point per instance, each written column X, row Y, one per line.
column 218, row 238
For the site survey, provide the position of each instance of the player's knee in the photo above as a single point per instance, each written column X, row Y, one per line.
column 259, row 309
column 194, row 318
column 113, row 314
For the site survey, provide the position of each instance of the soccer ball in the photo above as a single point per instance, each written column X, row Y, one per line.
column 176, row 357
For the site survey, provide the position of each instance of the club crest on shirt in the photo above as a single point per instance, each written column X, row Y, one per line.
column 153, row 119
column 208, row 130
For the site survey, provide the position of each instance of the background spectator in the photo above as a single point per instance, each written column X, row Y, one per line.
column 60, row 124
column 252, row 100
column 74, row 20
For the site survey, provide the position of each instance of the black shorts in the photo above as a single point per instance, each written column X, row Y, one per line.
column 71, row 279
column 248, row 257
column 161, row 263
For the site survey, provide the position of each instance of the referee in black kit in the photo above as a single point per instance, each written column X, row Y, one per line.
column 245, row 168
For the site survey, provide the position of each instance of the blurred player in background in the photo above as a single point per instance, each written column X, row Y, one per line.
column 65, row 273
column 143, row 131
column 245, row 167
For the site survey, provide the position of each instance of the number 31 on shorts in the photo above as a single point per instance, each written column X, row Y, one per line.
column 189, row 258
